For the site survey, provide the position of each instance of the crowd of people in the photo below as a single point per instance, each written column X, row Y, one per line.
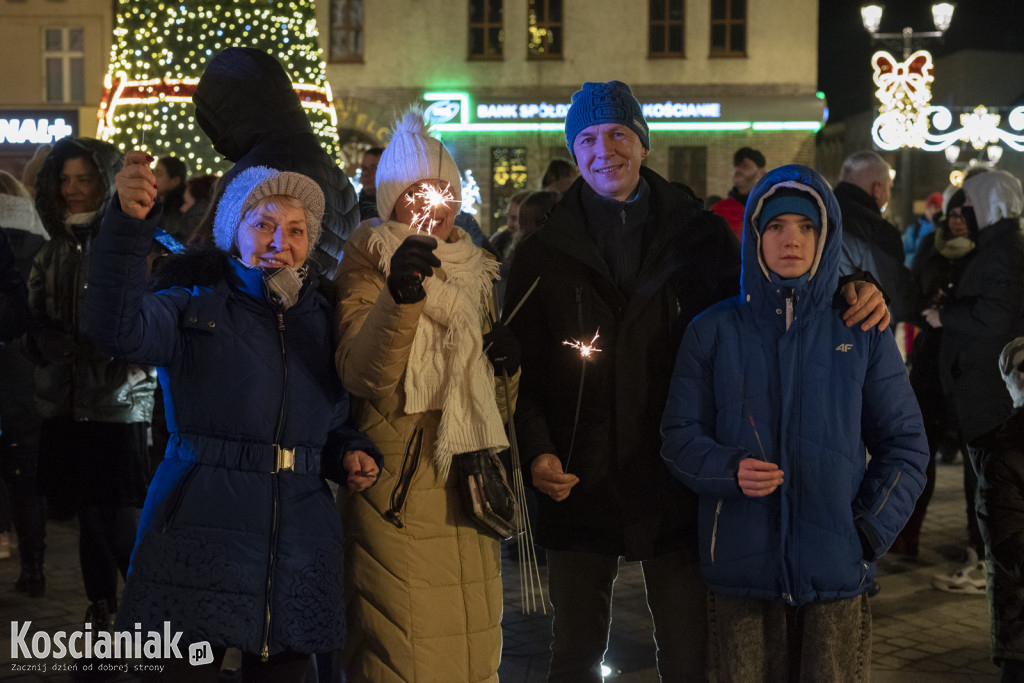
column 745, row 426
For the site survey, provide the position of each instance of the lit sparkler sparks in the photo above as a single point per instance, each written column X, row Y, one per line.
column 433, row 199
column 586, row 352
column 585, row 349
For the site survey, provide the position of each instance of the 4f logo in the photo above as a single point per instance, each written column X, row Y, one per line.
column 844, row 347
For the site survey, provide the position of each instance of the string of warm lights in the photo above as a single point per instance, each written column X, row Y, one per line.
column 161, row 48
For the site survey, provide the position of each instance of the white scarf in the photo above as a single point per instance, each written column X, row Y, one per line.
column 447, row 370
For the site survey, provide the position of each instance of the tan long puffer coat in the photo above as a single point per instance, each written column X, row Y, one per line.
column 423, row 598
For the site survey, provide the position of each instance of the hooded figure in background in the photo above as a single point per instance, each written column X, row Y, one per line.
column 1001, row 517
column 95, row 408
column 772, row 403
column 986, row 310
column 246, row 104
column 21, row 235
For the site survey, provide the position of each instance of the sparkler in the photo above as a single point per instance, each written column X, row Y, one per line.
column 586, row 351
column 433, row 199
column 514, row 310
column 145, row 124
column 530, row 585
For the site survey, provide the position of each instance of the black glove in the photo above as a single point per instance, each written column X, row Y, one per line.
column 504, row 352
column 412, row 261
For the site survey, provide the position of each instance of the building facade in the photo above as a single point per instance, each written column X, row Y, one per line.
column 497, row 77
column 54, row 54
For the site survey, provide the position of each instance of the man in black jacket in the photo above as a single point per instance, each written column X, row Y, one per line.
column 870, row 242
column 626, row 260
column 368, row 177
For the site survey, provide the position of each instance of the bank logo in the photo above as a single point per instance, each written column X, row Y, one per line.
column 443, row 111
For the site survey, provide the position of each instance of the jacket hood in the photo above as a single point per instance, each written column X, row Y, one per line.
column 48, row 201
column 244, row 95
column 995, row 195
column 755, row 281
column 19, row 213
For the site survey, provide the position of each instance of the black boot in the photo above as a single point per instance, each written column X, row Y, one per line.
column 32, row 580
column 100, row 615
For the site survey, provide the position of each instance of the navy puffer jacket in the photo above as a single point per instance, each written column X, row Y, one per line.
column 230, row 549
column 808, row 398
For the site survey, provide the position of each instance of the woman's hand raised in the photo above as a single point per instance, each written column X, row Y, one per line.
column 136, row 184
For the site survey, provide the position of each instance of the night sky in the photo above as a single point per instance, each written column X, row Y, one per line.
column 845, row 48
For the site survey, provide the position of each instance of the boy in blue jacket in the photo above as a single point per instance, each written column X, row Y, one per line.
column 773, row 405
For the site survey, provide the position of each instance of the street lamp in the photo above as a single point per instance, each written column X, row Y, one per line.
column 942, row 16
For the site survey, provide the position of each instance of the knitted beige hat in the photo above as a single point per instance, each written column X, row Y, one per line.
column 411, row 156
column 256, row 183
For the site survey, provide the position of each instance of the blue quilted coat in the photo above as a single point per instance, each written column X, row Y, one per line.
column 809, row 398
column 228, row 549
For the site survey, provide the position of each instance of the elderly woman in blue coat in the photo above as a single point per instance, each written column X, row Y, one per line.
column 239, row 543
column 774, row 403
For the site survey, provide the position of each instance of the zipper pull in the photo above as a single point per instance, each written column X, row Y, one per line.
column 789, row 308
column 622, row 216
column 280, row 320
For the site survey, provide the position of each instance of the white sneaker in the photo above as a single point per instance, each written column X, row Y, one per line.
column 968, row 579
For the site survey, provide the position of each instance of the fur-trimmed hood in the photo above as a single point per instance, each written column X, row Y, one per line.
column 48, row 200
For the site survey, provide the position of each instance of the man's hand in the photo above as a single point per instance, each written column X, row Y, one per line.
column 362, row 470
column 549, row 478
column 866, row 304
column 758, row 478
column 136, row 184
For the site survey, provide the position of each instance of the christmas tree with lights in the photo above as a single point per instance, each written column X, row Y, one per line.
column 161, row 48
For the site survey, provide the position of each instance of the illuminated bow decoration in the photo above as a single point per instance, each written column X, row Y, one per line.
column 903, row 81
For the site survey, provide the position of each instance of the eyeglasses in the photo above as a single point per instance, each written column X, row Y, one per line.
column 956, row 214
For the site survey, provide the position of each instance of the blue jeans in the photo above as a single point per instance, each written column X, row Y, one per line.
column 580, row 586
column 761, row 640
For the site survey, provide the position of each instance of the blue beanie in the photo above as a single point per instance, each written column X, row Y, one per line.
column 797, row 202
column 611, row 102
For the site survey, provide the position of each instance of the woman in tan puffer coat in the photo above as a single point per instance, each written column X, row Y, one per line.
column 423, row 586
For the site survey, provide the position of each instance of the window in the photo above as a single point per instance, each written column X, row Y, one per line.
column 346, row 30
column 508, row 176
column 688, row 165
column 485, row 34
column 728, row 28
column 544, row 29
column 666, row 31
column 64, row 64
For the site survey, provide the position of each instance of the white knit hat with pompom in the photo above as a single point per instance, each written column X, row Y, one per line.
column 412, row 155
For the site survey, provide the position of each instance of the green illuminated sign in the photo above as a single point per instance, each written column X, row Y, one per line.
column 451, row 113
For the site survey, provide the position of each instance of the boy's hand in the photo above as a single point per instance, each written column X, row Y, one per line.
column 758, row 478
